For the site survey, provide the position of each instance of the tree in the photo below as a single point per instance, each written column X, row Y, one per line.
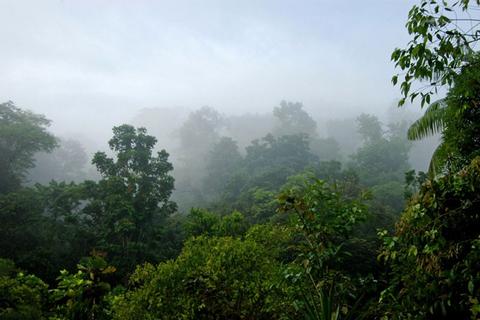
column 384, row 156
column 202, row 222
column 22, row 134
column 433, row 256
column 223, row 162
column 264, row 169
column 444, row 38
column 369, row 128
column 130, row 202
column 456, row 117
column 213, row 278
column 290, row 152
column 43, row 229
column 66, row 163
column 198, row 134
column 381, row 162
column 22, row 296
column 292, row 119
column 345, row 131
column 325, row 221
column 258, row 125
column 83, row 295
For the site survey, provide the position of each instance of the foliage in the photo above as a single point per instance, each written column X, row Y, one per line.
column 290, row 151
column 384, row 156
column 430, row 123
column 82, row 295
column 444, row 36
column 462, row 130
column 197, row 135
column 265, row 168
column 222, row 162
column 345, row 132
column 326, row 219
column 456, row 117
column 369, row 128
column 22, row 134
column 433, row 255
column 202, row 222
column 129, row 203
column 22, row 296
column 42, row 228
column 213, row 278
column 200, row 131
column 390, row 194
column 291, row 119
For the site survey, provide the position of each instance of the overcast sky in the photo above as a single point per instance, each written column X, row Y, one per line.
column 98, row 62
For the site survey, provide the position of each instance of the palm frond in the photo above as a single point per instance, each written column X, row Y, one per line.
column 430, row 123
column 439, row 158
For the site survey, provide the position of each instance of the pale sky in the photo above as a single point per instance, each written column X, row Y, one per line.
column 88, row 65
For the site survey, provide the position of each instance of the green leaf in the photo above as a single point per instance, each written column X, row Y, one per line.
column 395, row 79
column 470, row 286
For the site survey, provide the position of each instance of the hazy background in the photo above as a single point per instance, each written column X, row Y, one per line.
column 89, row 65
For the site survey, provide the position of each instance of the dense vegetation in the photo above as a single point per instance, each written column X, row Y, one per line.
column 287, row 225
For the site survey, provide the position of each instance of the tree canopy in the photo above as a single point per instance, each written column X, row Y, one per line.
column 22, row 134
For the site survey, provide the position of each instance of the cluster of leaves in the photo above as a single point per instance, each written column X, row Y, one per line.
column 42, row 228
column 382, row 160
column 84, row 295
column 213, row 278
column 444, row 36
column 326, row 221
column 456, row 117
column 22, row 296
column 433, row 256
column 202, row 222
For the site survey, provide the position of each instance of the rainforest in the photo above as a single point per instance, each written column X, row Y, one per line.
column 128, row 190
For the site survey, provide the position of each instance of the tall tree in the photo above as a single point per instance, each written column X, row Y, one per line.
column 292, row 119
column 369, row 128
column 68, row 162
column 384, row 156
column 22, row 134
column 381, row 162
column 130, row 202
column 223, row 162
column 197, row 136
column 199, row 132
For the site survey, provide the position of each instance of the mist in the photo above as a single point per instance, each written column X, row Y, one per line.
column 89, row 66
column 237, row 159
column 100, row 63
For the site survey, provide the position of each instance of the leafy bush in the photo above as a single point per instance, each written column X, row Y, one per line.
column 82, row 295
column 213, row 278
column 434, row 256
column 22, row 296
